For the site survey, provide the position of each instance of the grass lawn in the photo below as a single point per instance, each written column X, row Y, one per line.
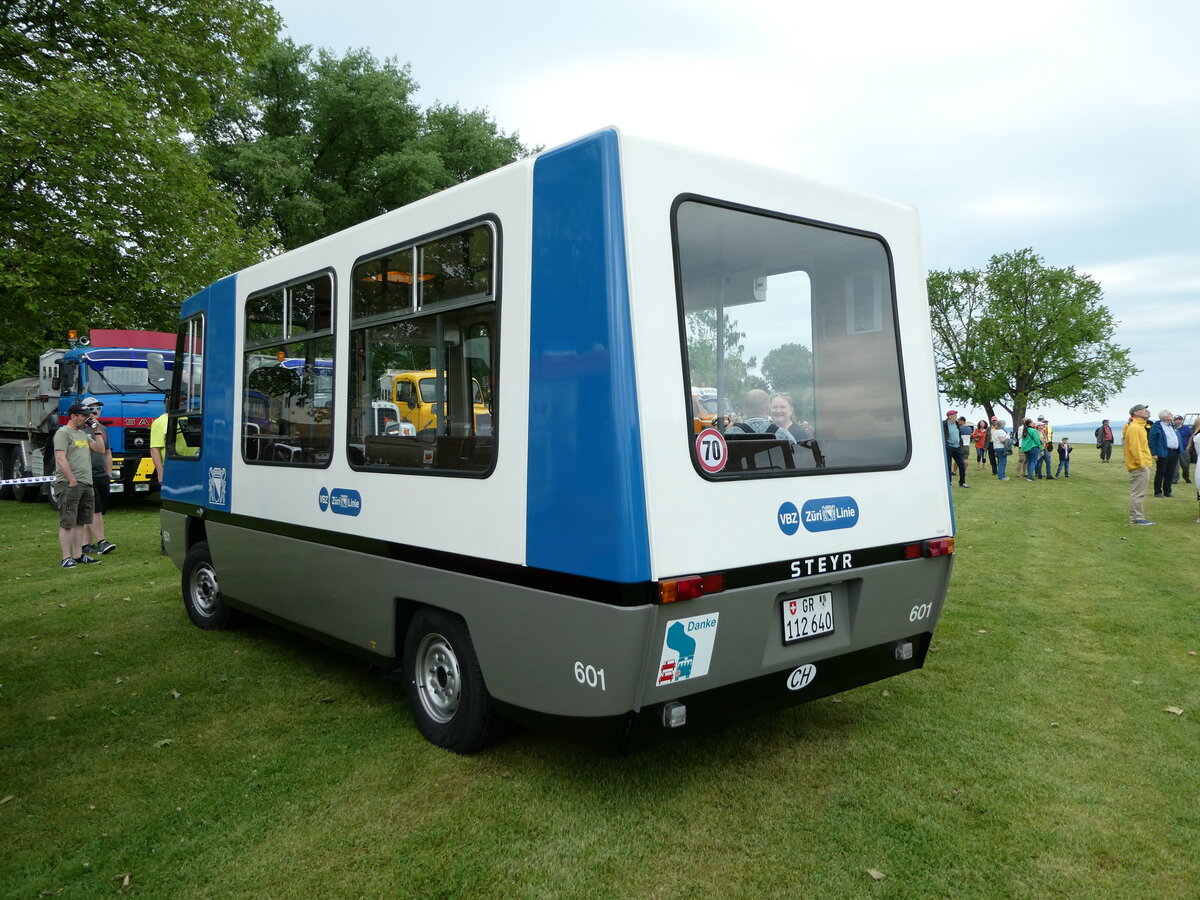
column 1038, row 754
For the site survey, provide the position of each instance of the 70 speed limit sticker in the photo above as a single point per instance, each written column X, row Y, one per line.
column 711, row 451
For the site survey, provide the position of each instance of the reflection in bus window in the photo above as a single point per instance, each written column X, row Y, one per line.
column 288, row 365
column 789, row 307
column 185, row 421
column 421, row 357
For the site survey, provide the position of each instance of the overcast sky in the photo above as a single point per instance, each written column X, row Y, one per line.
column 1069, row 127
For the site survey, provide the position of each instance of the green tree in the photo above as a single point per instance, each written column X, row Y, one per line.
column 326, row 143
column 703, row 340
column 1021, row 333
column 107, row 216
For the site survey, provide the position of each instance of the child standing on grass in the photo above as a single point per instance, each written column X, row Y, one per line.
column 1064, row 459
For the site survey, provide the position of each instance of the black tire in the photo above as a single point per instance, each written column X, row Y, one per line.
column 52, row 494
column 449, row 700
column 6, row 490
column 202, row 592
column 24, row 493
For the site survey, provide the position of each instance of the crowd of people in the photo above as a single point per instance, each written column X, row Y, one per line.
column 1168, row 446
column 994, row 444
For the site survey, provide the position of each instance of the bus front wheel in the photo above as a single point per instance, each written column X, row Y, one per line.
column 446, row 692
column 202, row 592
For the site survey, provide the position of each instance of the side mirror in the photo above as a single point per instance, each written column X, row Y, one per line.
column 156, row 371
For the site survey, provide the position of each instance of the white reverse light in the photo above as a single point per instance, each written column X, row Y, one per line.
column 674, row 714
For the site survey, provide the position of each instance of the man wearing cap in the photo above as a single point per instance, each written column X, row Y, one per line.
column 1104, row 440
column 1164, row 447
column 1137, row 461
column 1044, row 435
column 73, row 445
column 1047, row 431
column 102, row 466
column 952, row 438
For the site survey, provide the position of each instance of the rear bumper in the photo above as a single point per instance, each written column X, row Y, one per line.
column 707, row 710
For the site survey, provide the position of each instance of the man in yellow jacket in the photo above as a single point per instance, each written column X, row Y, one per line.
column 1138, row 461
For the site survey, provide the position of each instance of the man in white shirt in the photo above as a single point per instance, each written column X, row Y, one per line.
column 1164, row 447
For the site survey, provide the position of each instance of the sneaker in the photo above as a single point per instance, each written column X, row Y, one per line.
column 1027, row 478
column 68, row 563
column 1158, row 495
column 90, row 548
column 1143, row 522
column 964, row 485
column 104, row 546
column 85, row 559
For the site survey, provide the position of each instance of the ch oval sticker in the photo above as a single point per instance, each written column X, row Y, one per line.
column 802, row 677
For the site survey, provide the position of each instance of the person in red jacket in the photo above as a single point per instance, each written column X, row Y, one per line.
column 1104, row 441
column 979, row 437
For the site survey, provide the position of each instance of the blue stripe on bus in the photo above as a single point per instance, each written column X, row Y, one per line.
column 188, row 481
column 586, row 511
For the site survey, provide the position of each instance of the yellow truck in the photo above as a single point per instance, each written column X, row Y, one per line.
column 418, row 396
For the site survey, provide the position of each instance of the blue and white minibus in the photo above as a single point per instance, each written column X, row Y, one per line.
column 591, row 562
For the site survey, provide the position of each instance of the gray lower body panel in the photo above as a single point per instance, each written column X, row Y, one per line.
column 563, row 656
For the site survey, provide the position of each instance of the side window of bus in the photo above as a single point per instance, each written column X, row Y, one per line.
column 287, row 371
column 185, row 421
column 790, row 339
column 422, row 361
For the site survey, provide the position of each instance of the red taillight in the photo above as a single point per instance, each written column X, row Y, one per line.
column 935, row 547
column 690, row 588
column 938, row 547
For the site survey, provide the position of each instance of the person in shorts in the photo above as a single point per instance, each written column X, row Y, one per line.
column 74, row 444
column 102, row 466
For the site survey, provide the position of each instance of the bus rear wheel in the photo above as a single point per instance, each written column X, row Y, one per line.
column 202, row 592
column 449, row 700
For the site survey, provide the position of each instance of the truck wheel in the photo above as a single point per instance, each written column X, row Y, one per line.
column 53, row 496
column 6, row 490
column 25, row 493
column 446, row 692
column 202, row 593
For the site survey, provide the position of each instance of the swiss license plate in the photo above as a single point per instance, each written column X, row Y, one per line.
column 807, row 617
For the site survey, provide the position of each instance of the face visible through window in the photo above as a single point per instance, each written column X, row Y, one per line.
column 781, row 411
